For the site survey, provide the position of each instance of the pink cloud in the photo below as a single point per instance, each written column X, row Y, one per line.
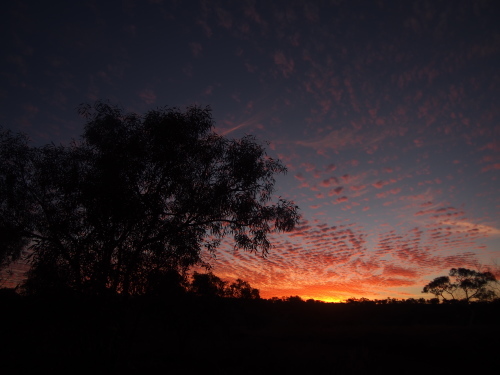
column 337, row 191
column 225, row 19
column 493, row 146
column 386, row 193
column 286, row 65
column 357, row 187
column 330, row 167
column 148, row 96
column 435, row 211
column 399, row 271
column 300, row 177
column 341, row 199
column 380, row 184
column 418, row 142
column 308, row 166
column 329, row 182
column 196, row 49
column 250, row 68
column 490, row 167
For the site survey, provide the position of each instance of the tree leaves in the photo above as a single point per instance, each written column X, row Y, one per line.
column 468, row 284
column 138, row 194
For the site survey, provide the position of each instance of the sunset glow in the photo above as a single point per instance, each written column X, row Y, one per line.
column 386, row 114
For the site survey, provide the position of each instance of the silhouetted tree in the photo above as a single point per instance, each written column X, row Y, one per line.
column 208, row 285
column 242, row 289
column 462, row 283
column 14, row 207
column 136, row 196
column 293, row 299
column 441, row 287
column 166, row 283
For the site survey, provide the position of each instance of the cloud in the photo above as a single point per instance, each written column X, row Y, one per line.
column 474, row 228
column 337, row 140
column 341, row 199
column 300, row 177
column 490, row 167
column 285, row 64
column 224, row 18
column 254, row 120
column 337, row 191
column 393, row 270
column 386, row 193
column 148, row 96
column 196, row 49
column 380, row 184
column 329, row 182
column 347, row 137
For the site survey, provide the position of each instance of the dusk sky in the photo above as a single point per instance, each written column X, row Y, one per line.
column 386, row 113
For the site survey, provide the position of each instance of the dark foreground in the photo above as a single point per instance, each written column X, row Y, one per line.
column 196, row 336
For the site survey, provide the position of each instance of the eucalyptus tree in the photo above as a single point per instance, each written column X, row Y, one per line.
column 135, row 195
column 462, row 284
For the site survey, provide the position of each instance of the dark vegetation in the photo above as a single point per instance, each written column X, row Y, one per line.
column 133, row 199
column 191, row 333
column 465, row 285
column 111, row 225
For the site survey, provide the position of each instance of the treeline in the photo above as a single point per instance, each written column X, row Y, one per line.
column 167, row 285
column 199, row 328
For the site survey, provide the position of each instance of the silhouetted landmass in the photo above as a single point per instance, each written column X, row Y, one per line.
column 193, row 334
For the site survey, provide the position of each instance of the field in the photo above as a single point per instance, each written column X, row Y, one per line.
column 216, row 336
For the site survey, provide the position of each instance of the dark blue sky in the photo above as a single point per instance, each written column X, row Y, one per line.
column 385, row 112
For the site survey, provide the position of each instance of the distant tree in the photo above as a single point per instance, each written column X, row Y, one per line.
column 168, row 283
column 441, row 287
column 362, row 300
column 462, row 284
column 136, row 196
column 293, row 299
column 242, row 289
column 208, row 285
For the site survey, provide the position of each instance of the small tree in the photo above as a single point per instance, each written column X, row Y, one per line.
column 441, row 287
column 463, row 284
column 208, row 285
column 242, row 289
column 135, row 197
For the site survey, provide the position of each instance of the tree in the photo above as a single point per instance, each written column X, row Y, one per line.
column 473, row 283
column 135, row 196
column 14, row 208
column 208, row 285
column 242, row 289
column 464, row 284
column 441, row 287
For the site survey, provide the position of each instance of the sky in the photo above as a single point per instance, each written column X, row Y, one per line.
column 386, row 114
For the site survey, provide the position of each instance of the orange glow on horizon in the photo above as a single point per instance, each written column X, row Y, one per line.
column 326, row 299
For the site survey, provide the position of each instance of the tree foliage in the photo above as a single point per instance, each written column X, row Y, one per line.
column 135, row 196
column 463, row 284
column 243, row 290
column 210, row 285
